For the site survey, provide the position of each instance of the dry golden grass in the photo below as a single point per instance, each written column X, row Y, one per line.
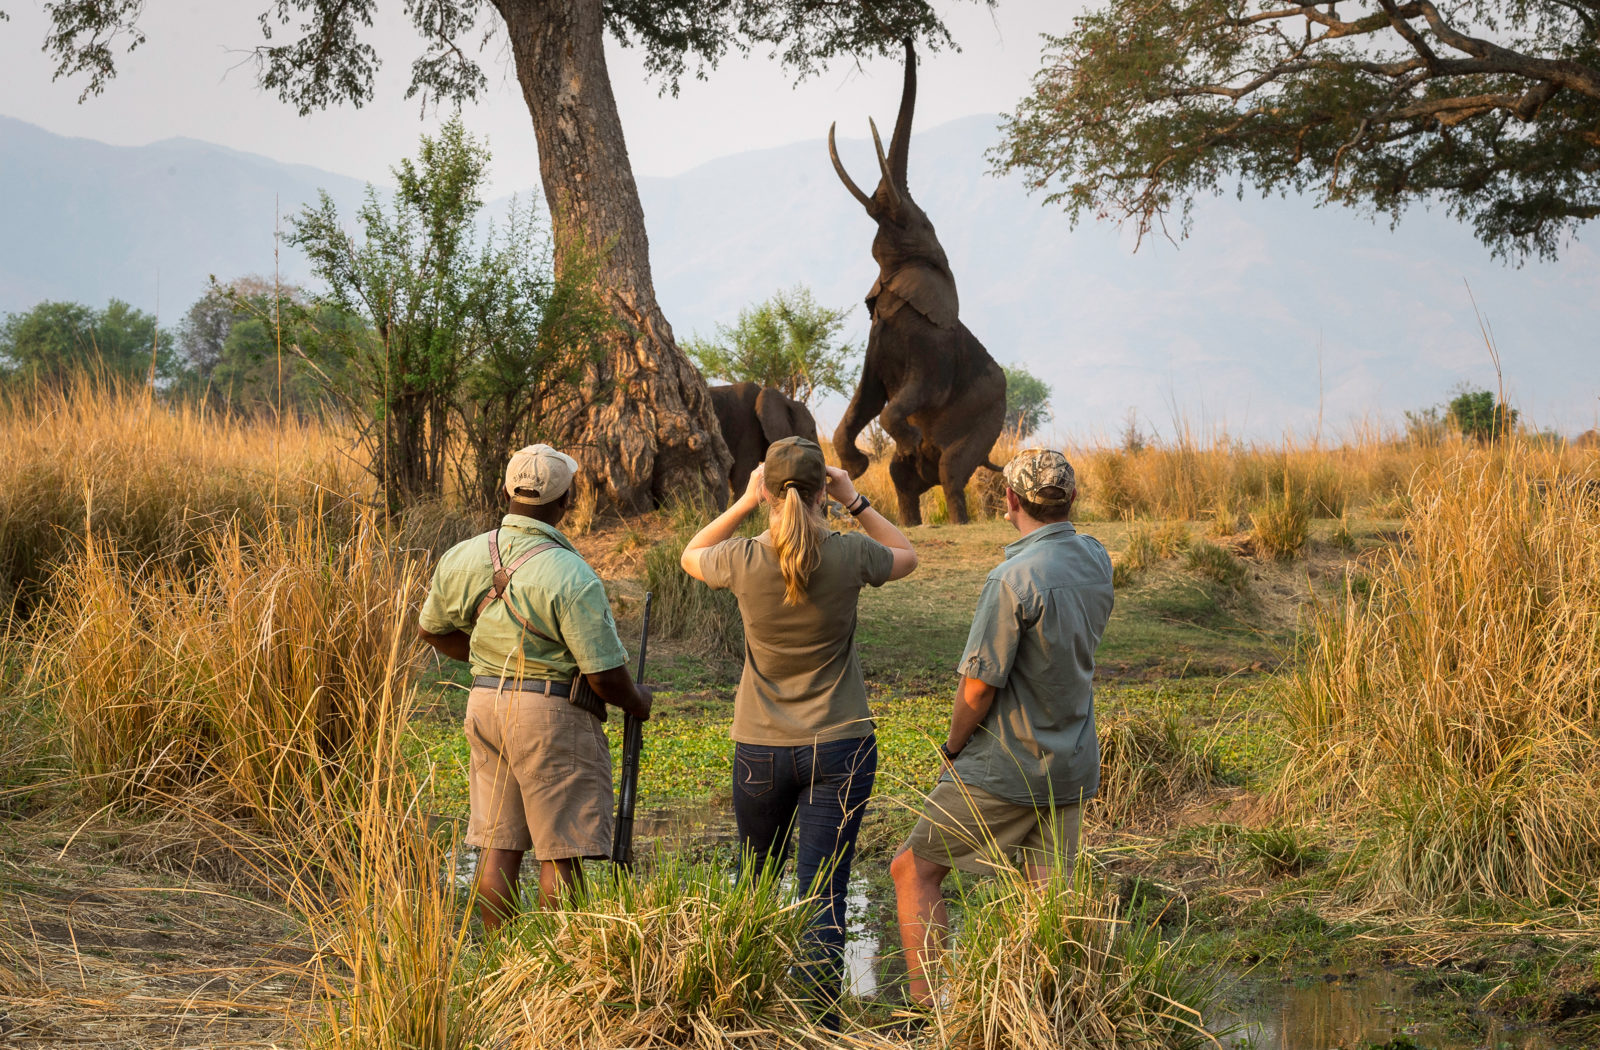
column 1448, row 712
column 249, row 681
column 150, row 479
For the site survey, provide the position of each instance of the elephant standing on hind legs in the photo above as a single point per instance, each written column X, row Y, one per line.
column 932, row 385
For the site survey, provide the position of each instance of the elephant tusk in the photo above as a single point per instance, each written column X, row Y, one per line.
column 844, row 176
column 883, row 165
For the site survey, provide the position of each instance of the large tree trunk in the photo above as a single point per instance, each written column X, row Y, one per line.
column 648, row 429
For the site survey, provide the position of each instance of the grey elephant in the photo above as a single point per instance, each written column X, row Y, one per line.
column 752, row 417
column 932, row 385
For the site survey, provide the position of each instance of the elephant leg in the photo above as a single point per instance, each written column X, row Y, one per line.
column 909, row 485
column 969, row 452
column 868, row 400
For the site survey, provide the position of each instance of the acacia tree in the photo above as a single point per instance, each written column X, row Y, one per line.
column 1491, row 106
column 789, row 342
column 648, row 428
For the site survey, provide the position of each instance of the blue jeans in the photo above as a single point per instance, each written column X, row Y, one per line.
column 821, row 790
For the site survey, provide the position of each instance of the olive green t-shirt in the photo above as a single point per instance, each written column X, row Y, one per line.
column 802, row 678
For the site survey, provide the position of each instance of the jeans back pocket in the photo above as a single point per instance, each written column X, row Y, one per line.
column 752, row 774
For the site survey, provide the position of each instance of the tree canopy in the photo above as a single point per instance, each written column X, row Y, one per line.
column 790, row 342
column 1027, row 401
column 55, row 341
column 1489, row 106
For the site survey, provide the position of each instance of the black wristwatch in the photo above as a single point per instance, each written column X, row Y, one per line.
column 944, row 749
column 858, row 505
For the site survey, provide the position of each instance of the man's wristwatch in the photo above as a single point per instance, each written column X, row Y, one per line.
column 859, row 504
column 949, row 756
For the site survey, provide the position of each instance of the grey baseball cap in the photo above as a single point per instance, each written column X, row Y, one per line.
column 539, row 474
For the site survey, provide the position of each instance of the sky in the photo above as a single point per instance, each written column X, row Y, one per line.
column 194, row 77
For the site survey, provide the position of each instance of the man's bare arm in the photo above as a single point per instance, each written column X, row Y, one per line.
column 457, row 645
column 617, row 688
column 973, row 700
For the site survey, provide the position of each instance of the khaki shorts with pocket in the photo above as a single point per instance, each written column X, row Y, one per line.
column 969, row 829
column 541, row 776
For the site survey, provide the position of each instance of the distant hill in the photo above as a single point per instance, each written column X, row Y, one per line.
column 1228, row 329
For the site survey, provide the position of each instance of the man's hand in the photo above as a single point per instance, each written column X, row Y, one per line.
column 617, row 688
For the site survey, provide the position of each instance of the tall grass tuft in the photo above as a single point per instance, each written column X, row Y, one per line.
column 685, row 608
column 1279, row 526
column 1148, row 761
column 679, row 955
column 1058, row 965
column 1452, row 714
column 249, row 681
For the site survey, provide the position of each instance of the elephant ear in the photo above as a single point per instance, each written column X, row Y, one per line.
column 930, row 292
column 772, row 410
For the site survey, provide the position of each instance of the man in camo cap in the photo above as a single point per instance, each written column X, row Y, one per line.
column 1022, row 756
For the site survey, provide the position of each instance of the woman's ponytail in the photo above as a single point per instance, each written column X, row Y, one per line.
column 797, row 534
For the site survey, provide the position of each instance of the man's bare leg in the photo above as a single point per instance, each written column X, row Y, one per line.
column 556, row 879
column 497, row 885
column 919, row 903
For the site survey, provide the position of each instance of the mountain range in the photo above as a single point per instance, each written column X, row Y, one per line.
column 1275, row 315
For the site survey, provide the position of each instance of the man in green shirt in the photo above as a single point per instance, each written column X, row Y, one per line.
column 1022, row 755
column 528, row 613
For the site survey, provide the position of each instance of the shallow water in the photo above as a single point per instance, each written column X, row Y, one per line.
column 1337, row 1009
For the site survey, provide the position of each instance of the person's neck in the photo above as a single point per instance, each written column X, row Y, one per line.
column 548, row 513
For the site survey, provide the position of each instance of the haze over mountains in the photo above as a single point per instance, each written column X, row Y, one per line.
column 1229, row 329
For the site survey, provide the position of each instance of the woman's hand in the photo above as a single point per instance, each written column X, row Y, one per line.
column 840, row 487
column 756, row 490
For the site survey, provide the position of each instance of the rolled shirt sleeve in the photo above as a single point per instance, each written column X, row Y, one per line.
column 589, row 631
column 716, row 563
column 877, row 562
column 996, row 631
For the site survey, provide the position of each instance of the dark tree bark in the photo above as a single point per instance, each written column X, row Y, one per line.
column 648, row 429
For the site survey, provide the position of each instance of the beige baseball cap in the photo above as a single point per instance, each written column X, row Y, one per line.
column 1042, row 476
column 539, row 474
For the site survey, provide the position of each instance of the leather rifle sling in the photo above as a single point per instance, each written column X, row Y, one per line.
column 502, row 583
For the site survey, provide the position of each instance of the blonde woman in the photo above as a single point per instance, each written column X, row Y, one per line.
column 804, row 750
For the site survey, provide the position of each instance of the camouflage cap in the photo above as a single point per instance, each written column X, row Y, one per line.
column 539, row 474
column 1042, row 476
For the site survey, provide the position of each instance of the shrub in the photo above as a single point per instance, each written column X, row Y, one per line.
column 1279, row 526
column 1449, row 714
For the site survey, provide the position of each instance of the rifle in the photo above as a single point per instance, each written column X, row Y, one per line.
column 632, row 745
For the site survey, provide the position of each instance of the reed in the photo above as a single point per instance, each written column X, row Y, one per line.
column 1448, row 712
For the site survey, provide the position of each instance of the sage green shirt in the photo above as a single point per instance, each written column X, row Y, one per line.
column 556, row 591
column 1038, row 623
column 802, row 677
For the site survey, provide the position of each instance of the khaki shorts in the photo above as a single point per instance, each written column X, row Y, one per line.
column 968, row 829
column 541, row 776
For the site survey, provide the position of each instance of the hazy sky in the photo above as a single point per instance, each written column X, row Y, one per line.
column 194, row 77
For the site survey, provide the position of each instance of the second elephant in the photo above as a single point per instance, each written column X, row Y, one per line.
column 752, row 417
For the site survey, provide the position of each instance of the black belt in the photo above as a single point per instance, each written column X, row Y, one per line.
column 524, row 685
